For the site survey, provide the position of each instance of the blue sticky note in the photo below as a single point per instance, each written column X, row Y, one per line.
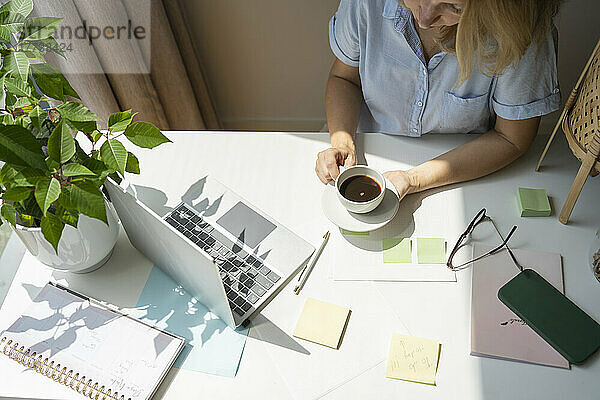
column 211, row 347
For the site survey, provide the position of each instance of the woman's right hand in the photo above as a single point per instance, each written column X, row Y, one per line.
column 329, row 161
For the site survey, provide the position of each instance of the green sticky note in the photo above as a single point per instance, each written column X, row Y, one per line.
column 533, row 202
column 397, row 250
column 431, row 250
column 345, row 232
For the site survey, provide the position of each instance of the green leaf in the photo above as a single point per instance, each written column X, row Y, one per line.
column 117, row 122
column 88, row 199
column 12, row 21
column 96, row 136
column 31, row 206
column 80, row 155
column 52, row 228
column 144, row 134
column 67, row 216
column 16, row 62
column 9, row 99
column 33, row 53
column 76, row 112
column 48, row 80
column 133, row 164
column 116, row 177
column 99, row 168
column 26, row 220
column 17, row 87
column 37, row 116
column 47, row 191
column 7, row 119
column 22, row 102
column 74, row 169
column 52, row 165
column 38, row 28
column 61, row 145
column 47, row 129
column 9, row 213
column 23, row 121
column 64, row 200
column 51, row 82
column 19, row 147
column 19, row 176
column 101, row 178
column 23, row 7
column 114, row 155
column 5, row 34
column 85, row 127
column 67, row 88
column 46, row 45
column 16, row 194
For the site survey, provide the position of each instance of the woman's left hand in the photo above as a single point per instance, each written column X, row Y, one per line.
column 401, row 181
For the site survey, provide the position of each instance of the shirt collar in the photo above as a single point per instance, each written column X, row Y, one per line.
column 393, row 10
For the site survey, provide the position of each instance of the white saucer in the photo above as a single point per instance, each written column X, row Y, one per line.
column 337, row 213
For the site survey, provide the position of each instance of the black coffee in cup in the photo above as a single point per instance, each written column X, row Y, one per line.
column 360, row 188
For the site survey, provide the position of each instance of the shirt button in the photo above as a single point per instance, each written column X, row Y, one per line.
column 415, row 130
column 420, row 104
column 556, row 90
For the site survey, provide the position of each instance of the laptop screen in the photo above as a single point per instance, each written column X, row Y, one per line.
column 246, row 224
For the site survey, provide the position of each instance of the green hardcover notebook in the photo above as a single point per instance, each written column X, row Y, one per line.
column 554, row 317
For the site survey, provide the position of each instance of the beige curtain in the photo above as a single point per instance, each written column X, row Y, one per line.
column 170, row 92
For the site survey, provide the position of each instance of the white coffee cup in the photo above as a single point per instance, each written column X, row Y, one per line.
column 360, row 207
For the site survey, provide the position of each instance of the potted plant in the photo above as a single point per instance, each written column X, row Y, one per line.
column 51, row 188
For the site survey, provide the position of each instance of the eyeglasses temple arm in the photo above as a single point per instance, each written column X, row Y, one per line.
column 505, row 244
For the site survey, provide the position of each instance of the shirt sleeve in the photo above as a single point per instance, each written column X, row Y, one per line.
column 344, row 32
column 529, row 89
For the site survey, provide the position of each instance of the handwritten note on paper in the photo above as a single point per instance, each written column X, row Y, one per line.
column 413, row 359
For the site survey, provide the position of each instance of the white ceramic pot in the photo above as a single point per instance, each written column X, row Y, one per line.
column 79, row 250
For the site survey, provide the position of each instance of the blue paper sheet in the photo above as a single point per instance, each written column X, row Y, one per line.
column 212, row 346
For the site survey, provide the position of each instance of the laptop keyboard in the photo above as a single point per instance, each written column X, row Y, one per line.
column 245, row 276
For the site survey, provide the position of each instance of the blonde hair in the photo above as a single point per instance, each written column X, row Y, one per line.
column 496, row 33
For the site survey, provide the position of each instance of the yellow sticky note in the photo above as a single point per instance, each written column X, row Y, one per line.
column 413, row 359
column 322, row 323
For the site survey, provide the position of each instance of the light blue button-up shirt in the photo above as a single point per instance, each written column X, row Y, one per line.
column 406, row 95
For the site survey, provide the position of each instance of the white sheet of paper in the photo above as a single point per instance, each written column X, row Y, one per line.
column 309, row 369
column 365, row 263
column 360, row 257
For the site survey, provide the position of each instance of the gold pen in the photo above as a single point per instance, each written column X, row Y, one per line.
column 307, row 270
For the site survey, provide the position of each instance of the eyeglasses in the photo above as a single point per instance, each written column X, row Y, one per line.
column 464, row 239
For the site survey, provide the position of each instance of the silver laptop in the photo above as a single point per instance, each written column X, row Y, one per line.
column 231, row 256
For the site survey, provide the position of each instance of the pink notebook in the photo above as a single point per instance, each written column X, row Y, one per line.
column 496, row 331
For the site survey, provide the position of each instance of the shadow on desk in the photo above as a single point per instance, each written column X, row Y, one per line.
column 402, row 225
column 164, row 385
column 265, row 330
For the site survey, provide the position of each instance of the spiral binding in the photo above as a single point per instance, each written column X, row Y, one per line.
column 63, row 375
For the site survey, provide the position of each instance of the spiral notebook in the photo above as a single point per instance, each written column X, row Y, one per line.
column 89, row 347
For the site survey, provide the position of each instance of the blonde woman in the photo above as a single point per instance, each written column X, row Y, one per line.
column 453, row 66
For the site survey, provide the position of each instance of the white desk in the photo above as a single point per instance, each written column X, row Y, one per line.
column 275, row 172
